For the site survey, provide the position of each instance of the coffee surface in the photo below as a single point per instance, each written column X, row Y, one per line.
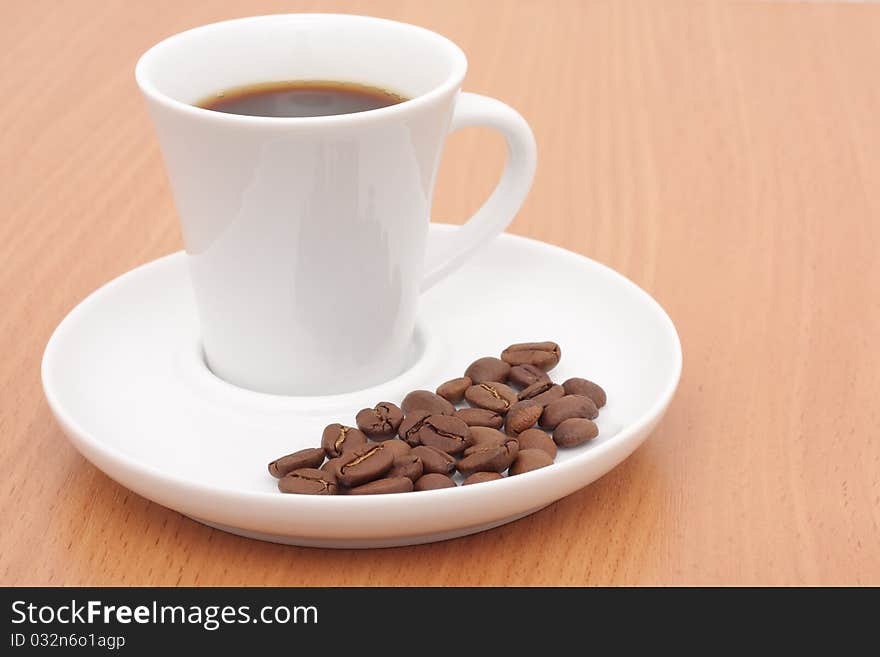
column 300, row 98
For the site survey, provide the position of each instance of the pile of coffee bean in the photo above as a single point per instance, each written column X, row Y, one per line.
column 516, row 419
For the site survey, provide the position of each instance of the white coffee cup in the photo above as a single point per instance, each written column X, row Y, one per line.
column 306, row 237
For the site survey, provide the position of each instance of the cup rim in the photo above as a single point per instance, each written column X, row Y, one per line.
column 449, row 84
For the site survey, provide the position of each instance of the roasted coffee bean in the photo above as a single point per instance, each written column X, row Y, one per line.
column 551, row 395
column 338, row 438
column 433, row 481
column 480, row 417
column 381, row 421
column 308, row 481
column 530, row 459
column 384, row 486
column 332, row 466
column 578, row 386
column 540, row 354
column 434, row 461
column 522, row 416
column 446, row 433
column 542, row 392
column 453, row 390
column 432, row 431
column 487, row 369
column 574, row 431
column 397, row 447
column 425, row 400
column 409, row 428
column 525, row 375
column 537, row 439
column 364, row 464
column 482, row 477
column 535, row 389
column 491, row 395
column 566, row 407
column 408, row 466
column 489, row 458
column 509, row 443
column 486, row 436
column 311, row 457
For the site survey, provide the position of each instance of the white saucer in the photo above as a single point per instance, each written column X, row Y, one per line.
column 124, row 377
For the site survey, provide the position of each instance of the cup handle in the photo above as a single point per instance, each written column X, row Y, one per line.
column 501, row 207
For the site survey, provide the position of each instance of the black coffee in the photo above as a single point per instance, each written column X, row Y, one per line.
column 300, row 98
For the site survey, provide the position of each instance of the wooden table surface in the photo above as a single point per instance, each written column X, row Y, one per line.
column 724, row 156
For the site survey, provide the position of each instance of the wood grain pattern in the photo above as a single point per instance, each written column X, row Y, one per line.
column 725, row 156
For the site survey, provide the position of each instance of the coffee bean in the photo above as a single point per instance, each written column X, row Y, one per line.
column 542, row 392
column 364, row 464
column 540, row 354
column 453, row 390
column 381, row 421
column 384, row 486
column 522, row 416
column 525, row 375
column 332, row 466
column 433, row 481
column 482, row 477
column 535, row 389
column 537, row 439
column 530, row 459
column 311, row 457
column 551, row 395
column 480, row 417
column 434, row 461
column 424, row 400
column 431, row 431
column 409, row 428
column 491, row 395
column 509, row 443
column 486, row 436
column 574, row 431
column 308, row 481
column 566, row 407
column 338, row 438
column 577, row 386
column 487, row 369
column 448, row 434
column 408, row 466
column 398, row 448
column 489, row 458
